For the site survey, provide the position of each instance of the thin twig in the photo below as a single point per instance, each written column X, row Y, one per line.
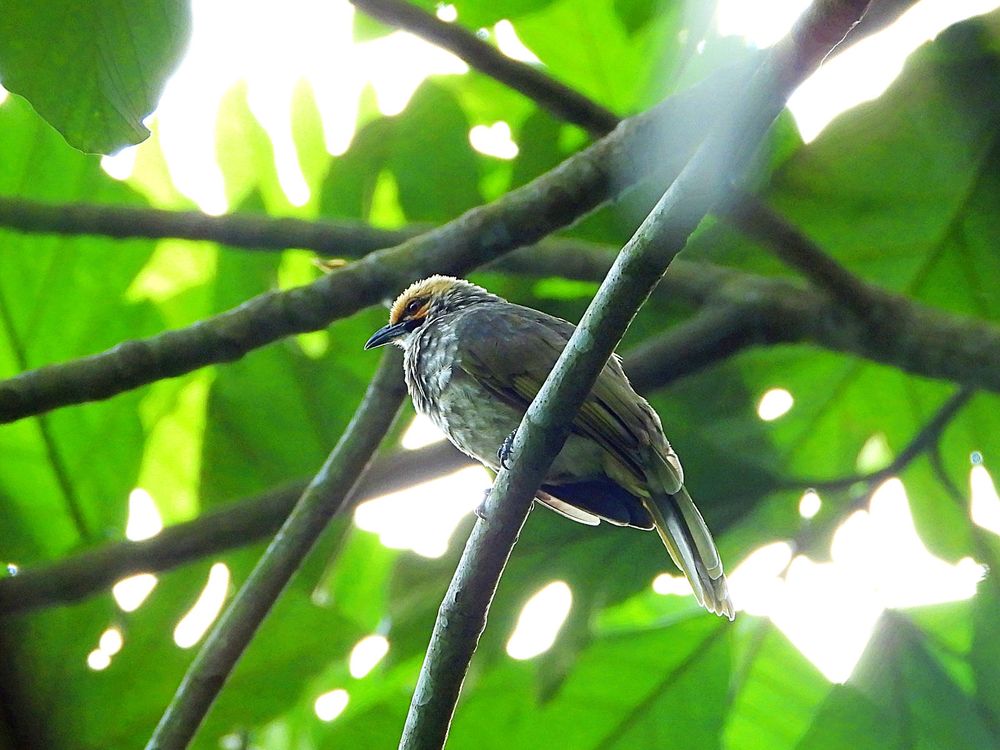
column 560, row 100
column 323, row 497
column 728, row 148
column 924, row 441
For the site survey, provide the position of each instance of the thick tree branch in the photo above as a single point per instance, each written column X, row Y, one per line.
column 560, row 100
column 893, row 330
column 462, row 616
column 324, row 496
column 521, row 217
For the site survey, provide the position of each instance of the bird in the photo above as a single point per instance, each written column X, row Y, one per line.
column 473, row 362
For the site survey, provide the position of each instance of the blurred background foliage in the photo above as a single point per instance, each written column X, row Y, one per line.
column 902, row 190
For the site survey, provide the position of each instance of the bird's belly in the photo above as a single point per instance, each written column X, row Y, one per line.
column 478, row 423
column 475, row 421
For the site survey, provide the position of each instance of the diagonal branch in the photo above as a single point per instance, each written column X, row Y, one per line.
column 725, row 153
column 548, row 93
column 521, row 217
column 324, row 497
column 925, row 441
column 560, row 100
column 760, row 222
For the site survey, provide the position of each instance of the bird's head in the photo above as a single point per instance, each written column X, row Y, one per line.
column 424, row 301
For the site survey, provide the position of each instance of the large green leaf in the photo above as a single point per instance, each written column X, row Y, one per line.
column 93, row 70
column 65, row 477
column 900, row 190
column 901, row 697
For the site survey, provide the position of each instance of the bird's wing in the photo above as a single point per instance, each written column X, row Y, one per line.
column 510, row 350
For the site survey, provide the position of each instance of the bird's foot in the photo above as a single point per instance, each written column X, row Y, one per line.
column 506, row 448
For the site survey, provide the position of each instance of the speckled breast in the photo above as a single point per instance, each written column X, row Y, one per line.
column 472, row 418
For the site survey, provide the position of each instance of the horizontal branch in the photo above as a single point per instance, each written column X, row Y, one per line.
column 231, row 526
column 240, row 230
column 521, row 217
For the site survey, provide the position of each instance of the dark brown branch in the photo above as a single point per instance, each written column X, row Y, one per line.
column 757, row 220
column 325, row 496
column 519, row 218
column 235, row 525
column 560, row 100
column 244, row 231
column 896, row 330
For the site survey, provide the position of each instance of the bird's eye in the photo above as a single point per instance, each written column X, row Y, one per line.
column 413, row 306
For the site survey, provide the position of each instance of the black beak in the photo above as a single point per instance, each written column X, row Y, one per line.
column 386, row 334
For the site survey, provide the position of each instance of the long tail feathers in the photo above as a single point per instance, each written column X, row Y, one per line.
column 689, row 542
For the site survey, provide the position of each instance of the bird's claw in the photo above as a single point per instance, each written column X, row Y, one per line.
column 506, row 448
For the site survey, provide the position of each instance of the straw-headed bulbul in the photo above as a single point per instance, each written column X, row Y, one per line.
column 473, row 363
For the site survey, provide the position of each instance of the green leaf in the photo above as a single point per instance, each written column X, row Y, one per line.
column 431, row 145
column 475, row 14
column 92, row 70
column 776, row 694
column 66, row 477
column 393, row 160
column 276, row 414
column 900, row 697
